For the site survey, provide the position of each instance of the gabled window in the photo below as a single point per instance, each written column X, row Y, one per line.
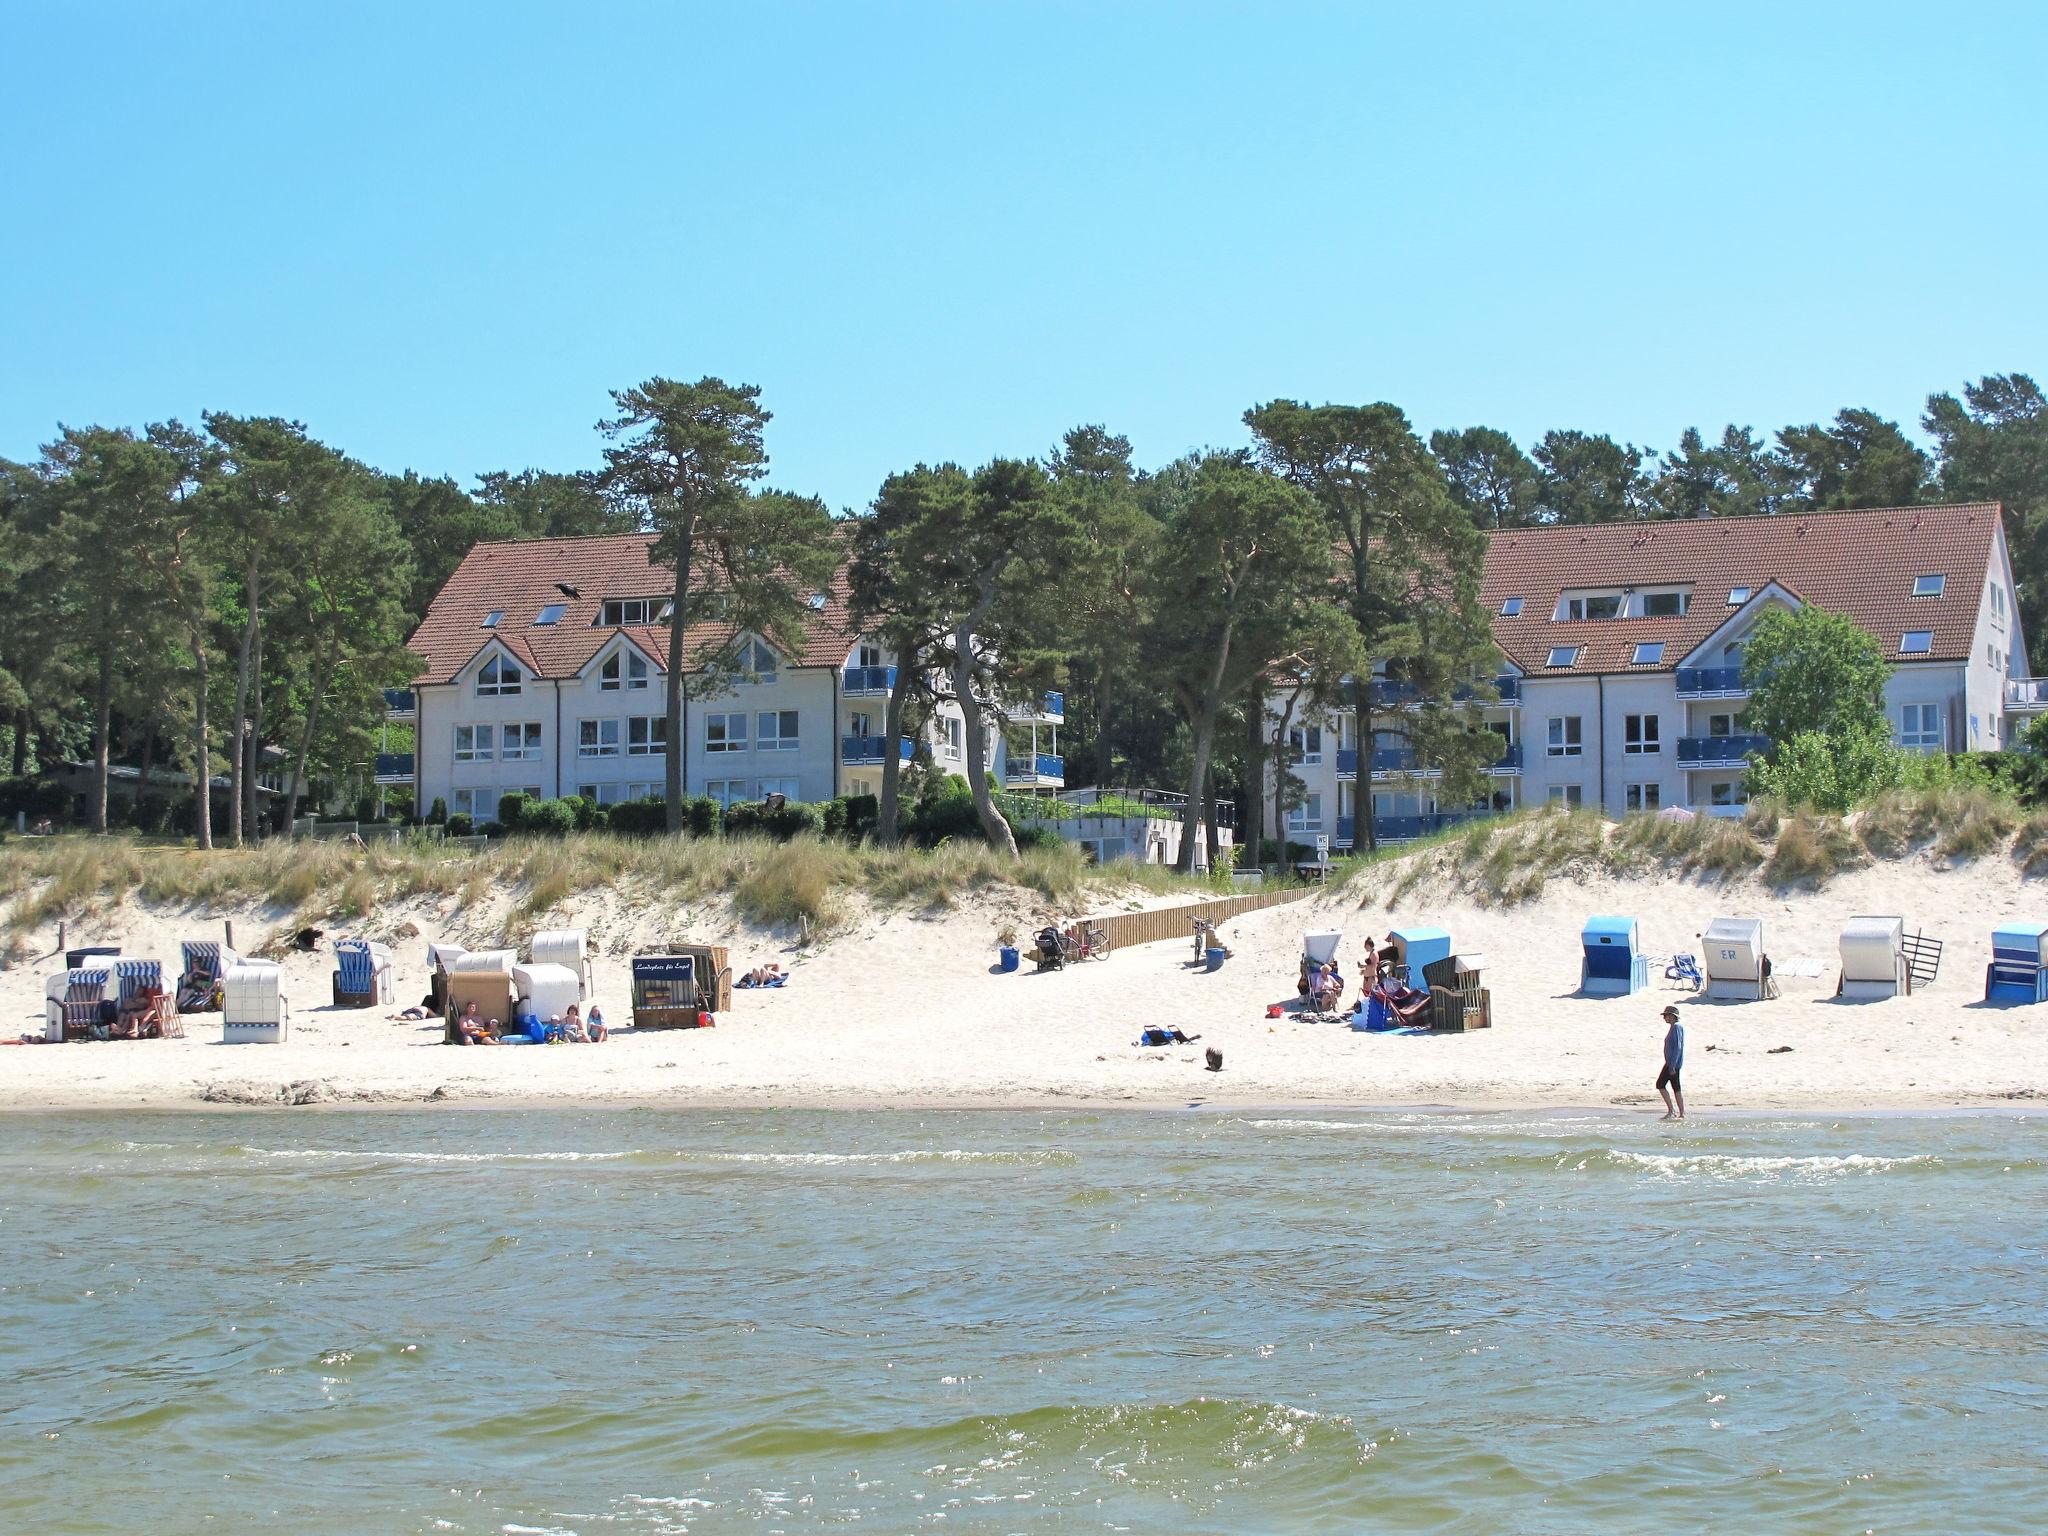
column 1928, row 586
column 1737, row 596
column 491, row 619
column 1563, row 656
column 759, row 660
column 1511, row 609
column 498, row 678
column 623, row 669
column 1916, row 642
column 1648, row 653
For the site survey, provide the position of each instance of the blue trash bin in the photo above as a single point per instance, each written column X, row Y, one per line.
column 1008, row 955
column 1216, row 954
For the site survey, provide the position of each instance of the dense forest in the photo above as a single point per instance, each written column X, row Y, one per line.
column 235, row 596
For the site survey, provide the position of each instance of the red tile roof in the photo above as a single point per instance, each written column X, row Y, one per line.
column 1858, row 563
column 519, row 576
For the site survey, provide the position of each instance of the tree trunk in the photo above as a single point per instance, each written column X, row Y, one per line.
column 1105, row 756
column 1361, row 710
column 1203, row 723
column 993, row 826
column 21, row 729
column 102, row 725
column 1214, row 847
column 202, row 769
column 674, row 778
column 241, row 725
column 291, row 804
column 253, row 774
column 148, row 764
column 1254, row 816
column 887, row 815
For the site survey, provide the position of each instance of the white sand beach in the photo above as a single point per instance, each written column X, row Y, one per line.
column 910, row 1010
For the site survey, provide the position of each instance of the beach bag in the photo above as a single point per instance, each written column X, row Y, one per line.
column 1155, row 1037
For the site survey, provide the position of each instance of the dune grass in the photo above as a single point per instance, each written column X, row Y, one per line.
column 807, row 885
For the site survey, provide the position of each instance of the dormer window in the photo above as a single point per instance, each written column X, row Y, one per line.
column 552, row 614
column 491, row 619
column 1511, row 609
column 622, row 670
column 1665, row 605
column 758, row 659
column 1590, row 605
column 1916, row 642
column 1928, row 586
column 1563, row 656
column 498, row 678
column 1737, row 596
column 619, row 612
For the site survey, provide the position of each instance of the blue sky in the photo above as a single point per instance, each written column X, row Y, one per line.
column 439, row 234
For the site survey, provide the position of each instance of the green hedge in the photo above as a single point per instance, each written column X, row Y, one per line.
column 792, row 818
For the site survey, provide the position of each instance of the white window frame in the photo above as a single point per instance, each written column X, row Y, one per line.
column 718, row 732
column 760, row 664
column 867, row 654
column 1723, row 723
column 647, row 735
column 1576, row 608
column 1931, row 585
column 526, row 735
column 628, row 612
column 770, row 726
column 952, row 737
column 1511, row 608
column 860, row 723
column 1726, row 792
column 1914, row 732
column 1565, row 794
column 1642, row 735
column 499, row 678
column 625, row 670
column 1654, row 659
column 1306, row 742
column 1644, row 599
column 726, row 791
column 1924, row 648
column 494, row 618
column 597, row 738
column 463, row 802
column 1648, row 796
column 785, row 786
column 1737, row 596
column 482, row 742
column 1570, row 653
column 1307, row 816
column 1564, row 736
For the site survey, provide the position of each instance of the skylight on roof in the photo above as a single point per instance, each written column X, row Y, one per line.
column 1916, row 642
column 1737, row 596
column 1512, row 608
column 1928, row 586
column 1649, row 653
column 491, row 618
column 552, row 614
column 1563, row 656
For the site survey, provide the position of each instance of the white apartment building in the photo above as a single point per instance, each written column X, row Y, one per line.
column 545, row 672
column 1621, row 678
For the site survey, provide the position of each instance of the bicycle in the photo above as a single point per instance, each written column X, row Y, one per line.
column 1078, row 943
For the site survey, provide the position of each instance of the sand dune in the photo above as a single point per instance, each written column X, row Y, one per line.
column 908, row 1009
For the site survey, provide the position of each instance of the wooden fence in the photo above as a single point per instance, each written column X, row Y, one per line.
column 1178, row 923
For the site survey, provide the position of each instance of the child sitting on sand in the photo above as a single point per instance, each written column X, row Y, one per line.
column 596, row 1027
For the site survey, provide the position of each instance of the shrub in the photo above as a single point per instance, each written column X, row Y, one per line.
column 789, row 820
column 702, row 815
column 1038, row 837
column 34, row 798
column 944, row 809
column 588, row 812
column 459, row 824
column 438, row 814
column 1830, row 773
column 549, row 818
column 862, row 814
column 512, row 809
column 640, row 818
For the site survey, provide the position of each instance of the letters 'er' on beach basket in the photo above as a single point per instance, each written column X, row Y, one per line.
column 253, row 1005
column 362, row 974
column 71, row 1001
column 1614, row 964
column 1419, row 948
column 1874, row 959
column 665, row 992
column 483, row 977
column 1732, row 959
column 566, row 947
column 2018, row 972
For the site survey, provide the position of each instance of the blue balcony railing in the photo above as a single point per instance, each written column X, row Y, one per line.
column 1027, row 768
column 1710, row 682
column 1347, row 762
column 1390, row 762
column 399, row 703
column 1393, row 694
column 1405, row 829
column 864, row 682
column 1055, row 705
column 394, row 768
column 1720, row 749
column 856, row 751
column 1510, row 760
column 1347, row 832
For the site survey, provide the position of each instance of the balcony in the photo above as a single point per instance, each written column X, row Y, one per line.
column 1046, row 709
column 1347, row 832
column 1400, row 763
column 1347, row 765
column 2026, row 695
column 1406, row 829
column 1711, row 683
column 1043, row 770
column 1720, row 751
column 868, row 751
column 1398, row 695
column 867, row 682
column 1510, row 762
column 393, row 768
column 400, row 704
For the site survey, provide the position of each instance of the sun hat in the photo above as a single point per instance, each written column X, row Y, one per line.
column 1671, row 1012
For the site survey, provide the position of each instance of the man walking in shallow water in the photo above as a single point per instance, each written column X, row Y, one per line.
column 1674, row 1062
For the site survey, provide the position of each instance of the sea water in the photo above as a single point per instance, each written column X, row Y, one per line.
column 638, row 1321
